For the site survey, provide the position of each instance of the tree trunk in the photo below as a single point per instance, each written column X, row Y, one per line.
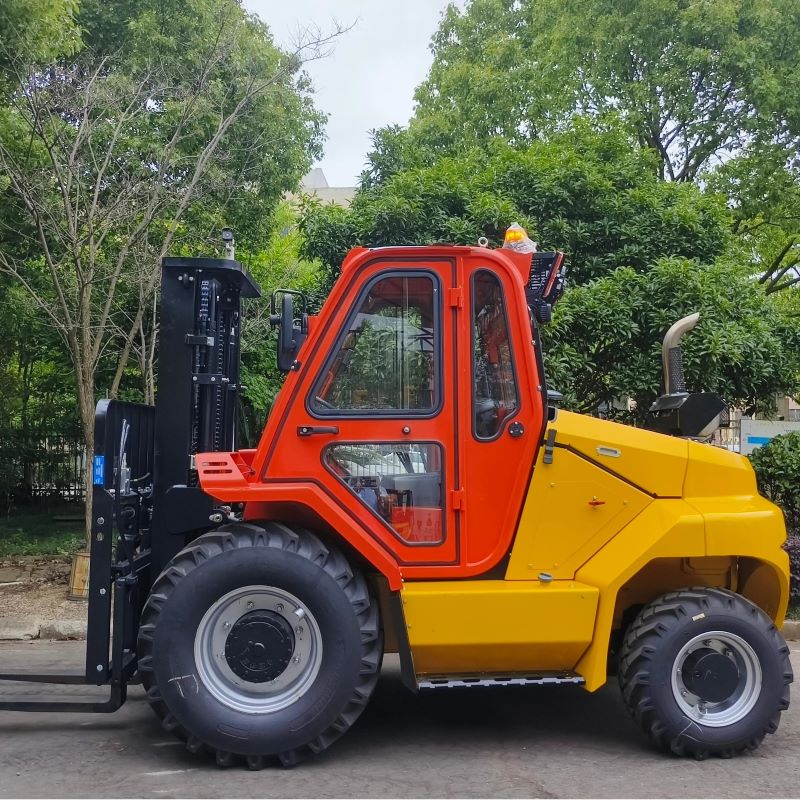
column 86, row 400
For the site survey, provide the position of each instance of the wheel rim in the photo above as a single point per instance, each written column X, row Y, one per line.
column 258, row 649
column 716, row 678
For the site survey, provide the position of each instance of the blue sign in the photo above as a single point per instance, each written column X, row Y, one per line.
column 99, row 470
column 758, row 439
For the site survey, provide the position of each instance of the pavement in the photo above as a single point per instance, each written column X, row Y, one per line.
column 512, row 742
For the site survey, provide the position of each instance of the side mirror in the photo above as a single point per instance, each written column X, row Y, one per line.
column 290, row 335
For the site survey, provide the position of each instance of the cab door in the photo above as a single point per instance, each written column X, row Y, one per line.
column 375, row 423
column 502, row 409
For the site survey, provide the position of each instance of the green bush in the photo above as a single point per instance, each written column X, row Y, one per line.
column 777, row 467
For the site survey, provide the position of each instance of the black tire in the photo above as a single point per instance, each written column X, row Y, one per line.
column 659, row 635
column 273, row 555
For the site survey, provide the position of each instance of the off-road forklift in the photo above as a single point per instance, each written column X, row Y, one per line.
column 416, row 490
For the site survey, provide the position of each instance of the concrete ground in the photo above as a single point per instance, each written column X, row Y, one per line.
column 517, row 742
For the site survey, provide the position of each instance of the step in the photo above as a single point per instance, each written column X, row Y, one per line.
column 486, row 680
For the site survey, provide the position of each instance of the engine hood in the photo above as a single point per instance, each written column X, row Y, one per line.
column 662, row 466
column 652, row 461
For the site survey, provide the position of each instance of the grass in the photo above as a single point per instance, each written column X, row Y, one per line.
column 29, row 534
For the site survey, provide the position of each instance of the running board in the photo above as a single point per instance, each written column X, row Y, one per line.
column 514, row 679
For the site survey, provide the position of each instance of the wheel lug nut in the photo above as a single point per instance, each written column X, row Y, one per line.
column 250, row 604
column 226, row 625
column 279, row 607
column 299, row 629
column 707, row 643
column 296, row 659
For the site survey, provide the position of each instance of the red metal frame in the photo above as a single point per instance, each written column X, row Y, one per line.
column 486, row 481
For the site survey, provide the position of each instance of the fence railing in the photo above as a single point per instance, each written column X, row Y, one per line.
column 35, row 465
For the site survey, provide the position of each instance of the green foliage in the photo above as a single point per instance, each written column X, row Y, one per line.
column 605, row 340
column 39, row 534
column 690, row 80
column 161, row 122
column 777, row 466
column 277, row 264
column 583, row 191
column 764, row 194
column 40, row 28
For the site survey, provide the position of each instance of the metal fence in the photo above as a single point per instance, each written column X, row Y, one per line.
column 729, row 436
column 41, row 465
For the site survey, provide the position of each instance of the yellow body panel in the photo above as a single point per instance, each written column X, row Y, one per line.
column 676, row 514
column 714, row 472
column 572, row 509
column 655, row 463
column 497, row 626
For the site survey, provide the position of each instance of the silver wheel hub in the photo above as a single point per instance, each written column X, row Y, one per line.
column 258, row 649
column 716, row 679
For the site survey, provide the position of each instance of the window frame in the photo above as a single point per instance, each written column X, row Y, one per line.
column 385, row 413
column 517, row 410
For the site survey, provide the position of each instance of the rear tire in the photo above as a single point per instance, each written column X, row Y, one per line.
column 705, row 673
column 258, row 641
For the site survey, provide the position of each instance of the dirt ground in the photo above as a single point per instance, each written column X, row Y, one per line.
column 36, row 586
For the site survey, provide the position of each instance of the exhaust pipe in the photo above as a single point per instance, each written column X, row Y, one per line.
column 676, row 412
column 674, row 381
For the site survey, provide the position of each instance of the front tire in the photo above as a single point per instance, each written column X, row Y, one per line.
column 705, row 673
column 258, row 641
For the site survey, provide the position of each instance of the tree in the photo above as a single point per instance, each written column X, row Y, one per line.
column 764, row 195
column 641, row 253
column 111, row 158
column 693, row 81
column 41, row 28
column 604, row 343
column 585, row 192
column 275, row 265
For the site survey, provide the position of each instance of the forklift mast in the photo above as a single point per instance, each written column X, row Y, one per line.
column 147, row 503
column 198, row 391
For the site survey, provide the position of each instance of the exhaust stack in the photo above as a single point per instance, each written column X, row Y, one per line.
column 674, row 381
column 677, row 412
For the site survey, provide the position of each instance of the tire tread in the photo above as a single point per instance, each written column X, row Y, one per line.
column 305, row 544
column 640, row 647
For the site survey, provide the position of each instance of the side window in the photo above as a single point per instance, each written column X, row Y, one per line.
column 400, row 481
column 495, row 394
column 387, row 359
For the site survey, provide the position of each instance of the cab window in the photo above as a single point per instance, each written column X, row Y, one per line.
column 401, row 482
column 386, row 361
column 495, row 395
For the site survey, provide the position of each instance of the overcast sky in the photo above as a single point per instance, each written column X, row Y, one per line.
column 370, row 78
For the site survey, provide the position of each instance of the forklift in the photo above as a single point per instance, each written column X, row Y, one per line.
column 417, row 490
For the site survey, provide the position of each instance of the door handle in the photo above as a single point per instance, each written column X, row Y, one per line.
column 314, row 430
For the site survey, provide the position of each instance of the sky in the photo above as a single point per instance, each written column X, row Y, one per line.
column 369, row 79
